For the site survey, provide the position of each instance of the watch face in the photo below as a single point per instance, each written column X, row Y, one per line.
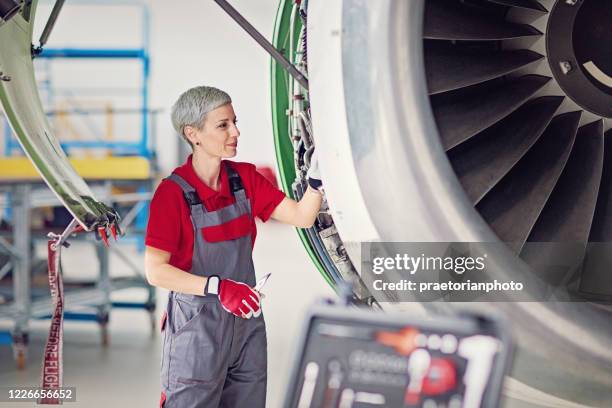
column 213, row 285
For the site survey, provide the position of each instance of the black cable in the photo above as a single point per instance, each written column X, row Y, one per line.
column 265, row 44
column 44, row 37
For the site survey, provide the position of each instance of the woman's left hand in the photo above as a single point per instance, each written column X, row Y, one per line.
column 239, row 299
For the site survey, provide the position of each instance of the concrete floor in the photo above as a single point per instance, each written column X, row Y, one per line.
column 126, row 373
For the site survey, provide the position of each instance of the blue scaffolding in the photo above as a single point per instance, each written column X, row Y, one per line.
column 98, row 297
column 144, row 147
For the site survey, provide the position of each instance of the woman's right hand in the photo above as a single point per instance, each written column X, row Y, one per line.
column 239, row 299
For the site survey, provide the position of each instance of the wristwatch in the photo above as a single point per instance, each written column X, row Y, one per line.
column 212, row 285
column 315, row 184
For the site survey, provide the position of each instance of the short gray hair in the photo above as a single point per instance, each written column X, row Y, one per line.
column 192, row 106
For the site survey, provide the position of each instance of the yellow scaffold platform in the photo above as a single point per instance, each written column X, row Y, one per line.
column 14, row 169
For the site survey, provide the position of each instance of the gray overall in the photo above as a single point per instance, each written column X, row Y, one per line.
column 211, row 358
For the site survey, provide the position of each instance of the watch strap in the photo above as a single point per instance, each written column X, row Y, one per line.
column 316, row 184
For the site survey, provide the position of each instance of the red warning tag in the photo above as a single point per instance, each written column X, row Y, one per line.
column 52, row 370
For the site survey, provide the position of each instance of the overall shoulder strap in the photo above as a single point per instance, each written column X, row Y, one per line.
column 235, row 182
column 191, row 196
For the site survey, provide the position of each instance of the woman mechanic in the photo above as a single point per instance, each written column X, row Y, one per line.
column 199, row 244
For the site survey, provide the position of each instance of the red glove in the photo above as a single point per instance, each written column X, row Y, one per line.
column 239, row 299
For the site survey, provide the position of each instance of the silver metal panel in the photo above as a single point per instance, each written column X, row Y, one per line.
column 330, row 127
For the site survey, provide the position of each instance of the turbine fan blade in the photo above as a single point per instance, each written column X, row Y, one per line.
column 596, row 277
column 526, row 4
column 449, row 68
column 558, row 239
column 569, row 212
column 513, row 206
column 466, row 112
column 481, row 162
column 446, row 21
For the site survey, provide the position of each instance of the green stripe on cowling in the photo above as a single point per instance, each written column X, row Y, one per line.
column 280, row 121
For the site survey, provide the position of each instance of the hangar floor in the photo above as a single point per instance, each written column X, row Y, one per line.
column 127, row 372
